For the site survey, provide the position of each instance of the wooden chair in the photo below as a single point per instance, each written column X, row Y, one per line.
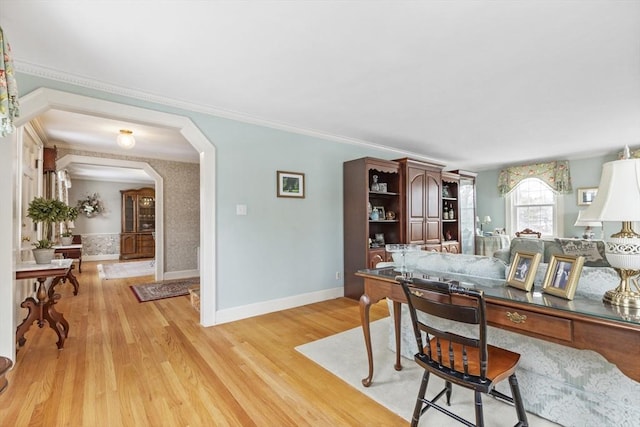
column 464, row 360
column 527, row 232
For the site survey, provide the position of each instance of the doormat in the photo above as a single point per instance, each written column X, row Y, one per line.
column 121, row 270
column 165, row 289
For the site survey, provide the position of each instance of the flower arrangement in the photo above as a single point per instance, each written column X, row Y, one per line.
column 91, row 205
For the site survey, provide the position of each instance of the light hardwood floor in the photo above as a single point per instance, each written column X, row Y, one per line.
column 151, row 364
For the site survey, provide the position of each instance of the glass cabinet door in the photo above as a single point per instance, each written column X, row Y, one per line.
column 146, row 213
column 467, row 200
column 128, row 207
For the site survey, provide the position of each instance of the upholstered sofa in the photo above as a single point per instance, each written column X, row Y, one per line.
column 592, row 250
column 565, row 385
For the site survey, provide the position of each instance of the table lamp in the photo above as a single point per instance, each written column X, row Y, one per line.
column 588, row 231
column 485, row 220
column 618, row 199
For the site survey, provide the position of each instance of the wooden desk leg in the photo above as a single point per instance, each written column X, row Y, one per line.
column 397, row 314
column 365, row 304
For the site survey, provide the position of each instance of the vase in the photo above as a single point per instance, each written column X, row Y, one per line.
column 66, row 240
column 43, row 256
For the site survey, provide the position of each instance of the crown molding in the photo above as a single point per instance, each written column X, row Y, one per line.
column 51, row 74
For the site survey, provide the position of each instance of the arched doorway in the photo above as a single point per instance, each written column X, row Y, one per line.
column 40, row 100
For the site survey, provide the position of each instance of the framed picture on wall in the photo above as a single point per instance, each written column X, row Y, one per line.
column 290, row 184
column 586, row 196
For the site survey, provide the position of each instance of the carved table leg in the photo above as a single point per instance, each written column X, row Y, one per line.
column 365, row 304
column 73, row 281
column 31, row 305
column 56, row 321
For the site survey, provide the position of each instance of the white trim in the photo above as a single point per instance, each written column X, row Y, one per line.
column 65, row 161
column 43, row 99
column 184, row 274
column 35, row 70
column 257, row 309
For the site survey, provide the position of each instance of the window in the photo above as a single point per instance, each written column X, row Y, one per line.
column 533, row 204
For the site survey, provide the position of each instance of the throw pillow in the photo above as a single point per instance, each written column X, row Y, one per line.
column 591, row 250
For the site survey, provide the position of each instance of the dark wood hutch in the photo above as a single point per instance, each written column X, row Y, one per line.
column 416, row 202
column 138, row 219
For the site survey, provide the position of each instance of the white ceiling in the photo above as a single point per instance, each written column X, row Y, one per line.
column 472, row 84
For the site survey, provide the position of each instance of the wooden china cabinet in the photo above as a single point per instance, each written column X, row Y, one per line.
column 138, row 223
column 369, row 185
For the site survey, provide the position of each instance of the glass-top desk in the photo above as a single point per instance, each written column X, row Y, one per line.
column 581, row 323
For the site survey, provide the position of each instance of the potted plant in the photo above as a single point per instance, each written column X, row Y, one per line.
column 48, row 212
column 66, row 236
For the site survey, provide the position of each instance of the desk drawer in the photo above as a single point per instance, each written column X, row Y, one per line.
column 536, row 323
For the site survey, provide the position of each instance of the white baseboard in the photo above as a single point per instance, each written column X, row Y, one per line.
column 106, row 257
column 250, row 310
column 184, row 274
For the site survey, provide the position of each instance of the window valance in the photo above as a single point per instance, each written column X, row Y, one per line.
column 555, row 174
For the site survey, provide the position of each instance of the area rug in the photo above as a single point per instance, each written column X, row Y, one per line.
column 345, row 356
column 165, row 289
column 121, row 270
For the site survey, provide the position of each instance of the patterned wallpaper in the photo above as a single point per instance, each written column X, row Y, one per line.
column 181, row 207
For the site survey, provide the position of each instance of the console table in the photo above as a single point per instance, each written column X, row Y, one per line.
column 73, row 251
column 581, row 323
column 44, row 307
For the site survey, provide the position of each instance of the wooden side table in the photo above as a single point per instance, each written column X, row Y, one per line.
column 43, row 309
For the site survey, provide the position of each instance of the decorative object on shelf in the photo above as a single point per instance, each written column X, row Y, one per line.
column 290, row 184
column 47, row 212
column 375, row 186
column 374, row 215
column 378, row 240
column 586, row 196
column 391, row 215
column 382, row 187
column 562, row 276
column 369, row 209
column 125, row 139
column 523, row 270
column 445, row 191
column 402, row 249
column 618, row 199
column 381, row 212
column 588, row 231
column 91, row 205
column 9, row 106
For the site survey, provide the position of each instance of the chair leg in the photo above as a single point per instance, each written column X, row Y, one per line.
column 449, row 389
column 418, row 409
column 478, row 405
column 517, row 400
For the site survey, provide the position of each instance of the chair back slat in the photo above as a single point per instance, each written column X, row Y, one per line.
column 448, row 301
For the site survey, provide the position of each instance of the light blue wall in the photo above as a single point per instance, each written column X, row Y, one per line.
column 283, row 247
column 584, row 173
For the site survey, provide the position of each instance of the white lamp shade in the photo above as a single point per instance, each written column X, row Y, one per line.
column 618, row 197
column 486, row 219
column 580, row 222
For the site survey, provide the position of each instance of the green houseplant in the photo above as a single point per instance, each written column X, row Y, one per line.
column 67, row 236
column 47, row 212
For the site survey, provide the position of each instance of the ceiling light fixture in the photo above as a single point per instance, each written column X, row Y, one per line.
column 125, row 139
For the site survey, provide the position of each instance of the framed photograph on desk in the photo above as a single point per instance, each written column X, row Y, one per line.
column 523, row 270
column 562, row 276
